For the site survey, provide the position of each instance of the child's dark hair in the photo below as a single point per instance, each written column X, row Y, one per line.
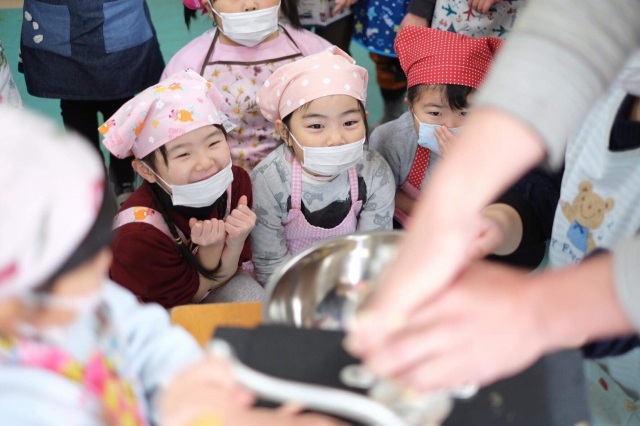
column 189, row 14
column 286, row 120
column 456, row 94
column 164, row 208
column 289, row 10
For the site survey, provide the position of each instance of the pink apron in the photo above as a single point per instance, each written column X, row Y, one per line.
column 300, row 234
column 239, row 82
column 414, row 180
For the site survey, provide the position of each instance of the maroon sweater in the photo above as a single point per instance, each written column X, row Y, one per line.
column 147, row 261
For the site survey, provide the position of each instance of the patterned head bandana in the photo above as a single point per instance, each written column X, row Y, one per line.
column 429, row 56
column 330, row 72
column 183, row 102
column 53, row 187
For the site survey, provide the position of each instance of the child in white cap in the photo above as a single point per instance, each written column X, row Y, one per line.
column 323, row 181
column 75, row 348
column 182, row 236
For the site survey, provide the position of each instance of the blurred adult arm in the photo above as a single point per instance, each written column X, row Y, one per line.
column 541, row 86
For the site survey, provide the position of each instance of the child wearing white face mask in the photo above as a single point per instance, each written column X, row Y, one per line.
column 75, row 347
column 443, row 71
column 323, row 181
column 182, row 235
column 247, row 45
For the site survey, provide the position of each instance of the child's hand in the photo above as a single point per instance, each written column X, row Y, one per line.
column 343, row 4
column 411, row 20
column 490, row 237
column 445, row 138
column 207, row 232
column 206, row 393
column 203, row 391
column 239, row 223
column 483, row 6
column 499, row 232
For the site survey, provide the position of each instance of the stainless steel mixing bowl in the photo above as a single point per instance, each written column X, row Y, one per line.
column 312, row 288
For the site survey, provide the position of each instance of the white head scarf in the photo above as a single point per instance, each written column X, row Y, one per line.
column 51, row 189
column 629, row 76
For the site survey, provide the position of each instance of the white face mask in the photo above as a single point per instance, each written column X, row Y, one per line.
column 249, row 28
column 200, row 194
column 427, row 135
column 629, row 77
column 57, row 334
column 332, row 160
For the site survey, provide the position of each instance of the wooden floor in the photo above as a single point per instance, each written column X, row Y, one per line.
column 10, row 4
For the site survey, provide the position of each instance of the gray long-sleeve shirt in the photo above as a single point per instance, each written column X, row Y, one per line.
column 569, row 52
column 271, row 182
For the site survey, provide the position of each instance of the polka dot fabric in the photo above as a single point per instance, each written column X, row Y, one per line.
column 183, row 102
column 429, row 56
column 330, row 72
column 419, row 167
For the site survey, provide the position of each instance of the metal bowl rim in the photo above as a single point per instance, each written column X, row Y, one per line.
column 356, row 236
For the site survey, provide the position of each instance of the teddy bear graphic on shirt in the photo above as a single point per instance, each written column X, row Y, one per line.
column 586, row 213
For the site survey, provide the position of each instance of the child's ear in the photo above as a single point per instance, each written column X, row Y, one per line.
column 143, row 170
column 406, row 101
column 208, row 6
column 282, row 131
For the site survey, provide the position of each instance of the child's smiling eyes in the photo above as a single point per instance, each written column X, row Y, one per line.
column 318, row 126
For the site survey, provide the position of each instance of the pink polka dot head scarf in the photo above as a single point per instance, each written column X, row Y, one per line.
column 183, row 102
column 193, row 4
column 52, row 191
column 429, row 56
column 330, row 72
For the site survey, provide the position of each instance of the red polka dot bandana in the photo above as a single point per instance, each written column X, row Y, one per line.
column 429, row 56
column 330, row 72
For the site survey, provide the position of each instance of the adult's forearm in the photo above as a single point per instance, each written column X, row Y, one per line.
column 579, row 304
column 626, row 269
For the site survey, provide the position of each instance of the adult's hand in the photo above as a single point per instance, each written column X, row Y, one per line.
column 445, row 222
column 479, row 329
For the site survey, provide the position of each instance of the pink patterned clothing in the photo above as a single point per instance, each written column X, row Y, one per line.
column 106, row 368
column 413, row 184
column 117, row 398
column 239, row 72
column 300, row 234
